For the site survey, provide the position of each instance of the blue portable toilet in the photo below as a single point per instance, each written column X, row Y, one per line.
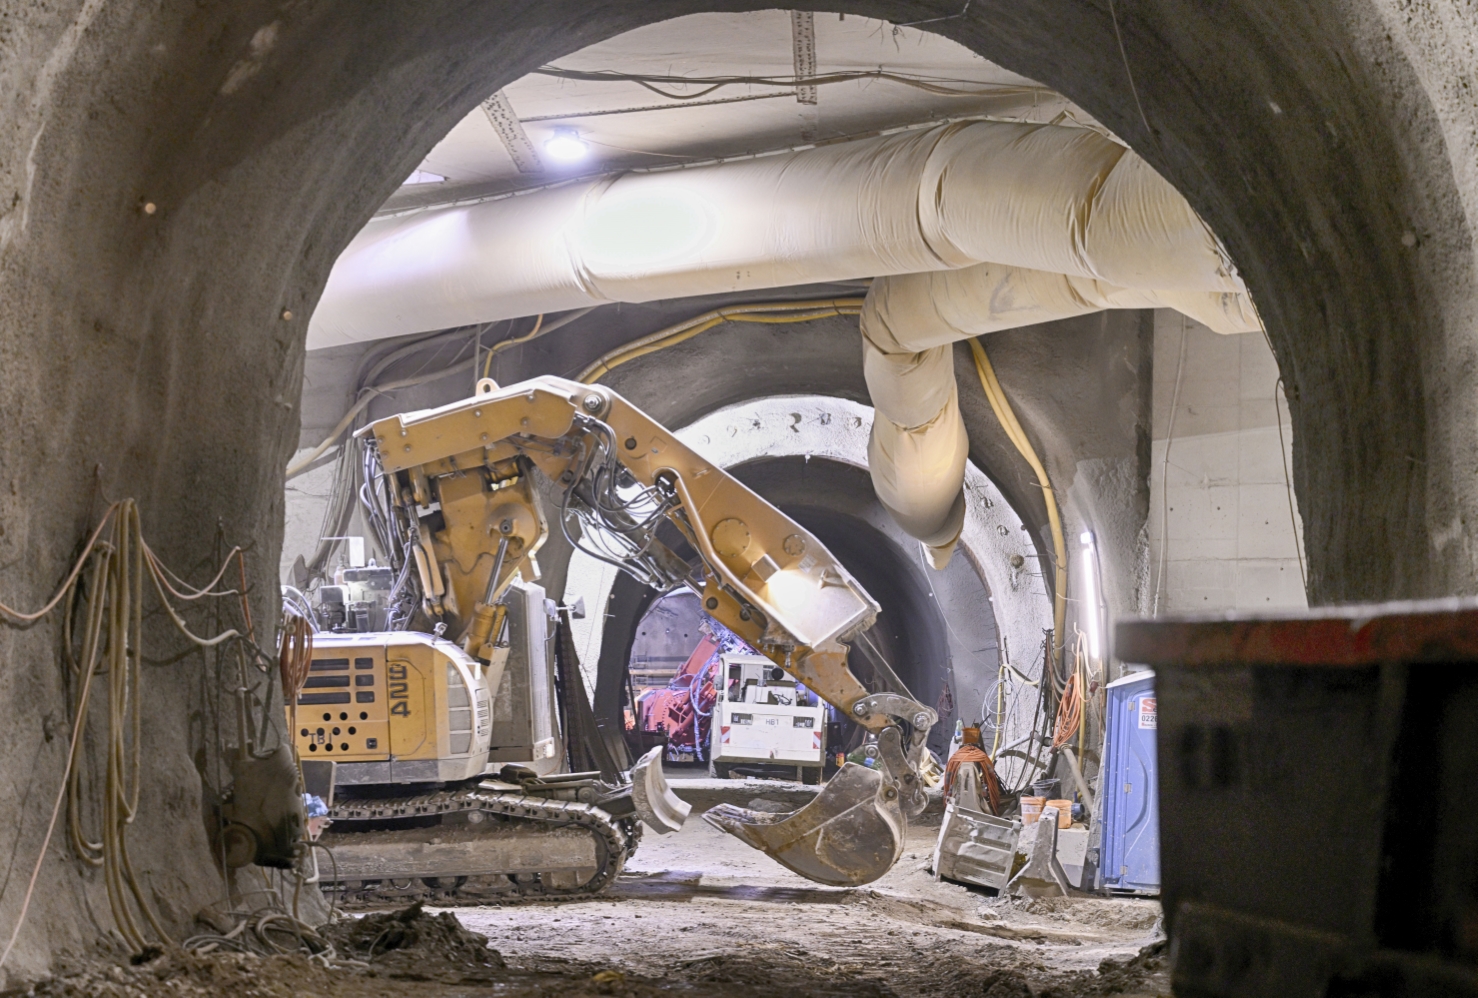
column 1129, row 849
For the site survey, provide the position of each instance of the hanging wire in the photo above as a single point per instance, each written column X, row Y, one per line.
column 938, row 85
column 1298, row 547
column 1165, row 474
column 617, row 518
column 1070, row 709
column 111, row 604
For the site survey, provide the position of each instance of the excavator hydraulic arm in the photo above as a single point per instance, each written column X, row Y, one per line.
column 461, row 479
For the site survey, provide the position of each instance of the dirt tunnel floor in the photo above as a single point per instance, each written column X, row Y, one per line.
column 700, row 913
column 701, row 906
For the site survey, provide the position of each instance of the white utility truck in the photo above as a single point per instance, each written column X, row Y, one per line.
column 756, row 720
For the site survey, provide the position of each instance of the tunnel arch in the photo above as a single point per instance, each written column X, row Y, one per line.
column 808, row 456
column 1322, row 143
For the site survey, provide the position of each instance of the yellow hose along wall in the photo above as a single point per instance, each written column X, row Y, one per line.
column 764, row 312
column 1001, row 406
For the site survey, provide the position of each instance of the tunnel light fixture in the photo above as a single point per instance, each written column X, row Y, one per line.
column 1090, row 613
column 566, row 146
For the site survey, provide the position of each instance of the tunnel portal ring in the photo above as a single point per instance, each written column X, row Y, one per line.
column 836, row 429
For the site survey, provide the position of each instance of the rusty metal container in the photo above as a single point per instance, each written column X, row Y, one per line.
column 1317, row 788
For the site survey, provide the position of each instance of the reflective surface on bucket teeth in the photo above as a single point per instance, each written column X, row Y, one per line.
column 399, row 829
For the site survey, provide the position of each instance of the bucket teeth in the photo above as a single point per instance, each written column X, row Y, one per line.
column 656, row 805
column 851, row 834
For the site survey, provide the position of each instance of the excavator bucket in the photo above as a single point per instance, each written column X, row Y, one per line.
column 851, row 834
column 656, row 804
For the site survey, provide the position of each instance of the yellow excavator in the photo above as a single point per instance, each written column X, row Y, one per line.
column 401, row 699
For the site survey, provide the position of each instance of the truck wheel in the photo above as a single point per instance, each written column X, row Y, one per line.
column 811, row 775
column 718, row 770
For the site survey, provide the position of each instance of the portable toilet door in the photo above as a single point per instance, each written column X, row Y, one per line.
column 1130, row 824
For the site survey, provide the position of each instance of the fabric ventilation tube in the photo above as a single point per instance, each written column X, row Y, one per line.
column 966, row 228
column 1053, row 198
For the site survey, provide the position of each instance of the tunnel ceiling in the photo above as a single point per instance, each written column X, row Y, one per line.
column 625, row 100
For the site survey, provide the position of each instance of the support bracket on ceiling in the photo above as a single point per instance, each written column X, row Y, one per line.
column 510, row 131
column 803, row 51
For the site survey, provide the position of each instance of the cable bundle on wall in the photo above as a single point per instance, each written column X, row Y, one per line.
column 114, row 627
column 111, row 646
column 294, row 659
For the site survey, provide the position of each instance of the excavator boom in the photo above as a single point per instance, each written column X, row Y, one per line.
column 462, row 484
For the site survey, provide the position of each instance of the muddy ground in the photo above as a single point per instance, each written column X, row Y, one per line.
column 699, row 913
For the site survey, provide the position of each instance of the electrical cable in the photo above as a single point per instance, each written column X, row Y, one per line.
column 1000, row 717
column 651, row 107
column 933, row 20
column 368, row 392
column 94, row 626
column 66, row 587
column 112, row 645
column 1039, row 715
column 930, row 84
column 368, row 395
column 1298, row 547
column 1001, row 406
column 1072, row 718
column 1124, row 55
column 761, row 312
column 1165, row 474
column 514, row 341
column 210, row 587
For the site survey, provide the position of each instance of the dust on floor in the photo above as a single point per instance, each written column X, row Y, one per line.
column 700, row 906
column 698, row 913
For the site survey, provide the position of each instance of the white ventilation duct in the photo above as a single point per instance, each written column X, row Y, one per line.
column 914, row 312
column 1050, row 198
column 919, row 444
column 969, row 228
column 916, row 455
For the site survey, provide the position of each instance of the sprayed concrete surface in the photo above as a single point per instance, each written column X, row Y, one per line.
column 699, row 905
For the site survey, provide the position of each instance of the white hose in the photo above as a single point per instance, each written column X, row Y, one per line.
column 1056, row 198
column 908, row 324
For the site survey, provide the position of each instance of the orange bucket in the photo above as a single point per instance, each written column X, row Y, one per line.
column 1031, row 809
column 1064, row 812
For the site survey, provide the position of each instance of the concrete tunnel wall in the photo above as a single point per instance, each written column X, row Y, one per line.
column 1334, row 148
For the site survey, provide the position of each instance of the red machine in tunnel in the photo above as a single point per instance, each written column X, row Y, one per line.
column 679, row 714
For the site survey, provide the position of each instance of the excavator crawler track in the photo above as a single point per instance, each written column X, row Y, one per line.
column 469, row 818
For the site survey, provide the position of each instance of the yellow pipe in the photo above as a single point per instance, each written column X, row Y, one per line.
column 1002, row 407
column 501, row 345
column 801, row 311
